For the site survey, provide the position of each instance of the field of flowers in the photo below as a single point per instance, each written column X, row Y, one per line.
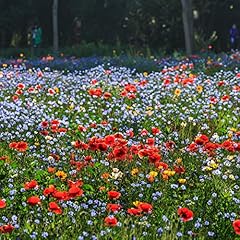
column 110, row 153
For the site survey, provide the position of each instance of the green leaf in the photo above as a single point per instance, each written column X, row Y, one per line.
column 88, row 187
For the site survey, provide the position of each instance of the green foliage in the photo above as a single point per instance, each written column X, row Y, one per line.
column 135, row 23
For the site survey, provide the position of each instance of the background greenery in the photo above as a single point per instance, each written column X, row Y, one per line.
column 153, row 24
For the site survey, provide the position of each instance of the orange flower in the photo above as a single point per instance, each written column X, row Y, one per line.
column 51, row 169
column 105, row 175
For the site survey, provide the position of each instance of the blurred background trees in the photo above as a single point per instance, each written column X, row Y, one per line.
column 154, row 23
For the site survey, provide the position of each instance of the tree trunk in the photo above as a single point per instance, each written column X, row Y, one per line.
column 55, row 25
column 187, row 15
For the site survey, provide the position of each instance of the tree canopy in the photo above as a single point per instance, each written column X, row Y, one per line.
column 154, row 23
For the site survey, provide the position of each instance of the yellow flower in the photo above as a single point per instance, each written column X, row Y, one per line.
column 136, row 203
column 129, row 107
column 134, row 171
column 21, row 55
column 179, row 160
column 177, row 92
column 153, row 174
column 4, row 65
column 56, row 89
column 230, row 157
column 231, row 177
column 207, row 168
column 213, row 165
column 233, row 129
column 199, row 89
column 182, row 180
column 169, row 173
column 145, row 74
column 71, row 107
column 61, row 174
column 149, row 113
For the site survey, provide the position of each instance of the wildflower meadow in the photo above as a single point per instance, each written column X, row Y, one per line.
column 109, row 152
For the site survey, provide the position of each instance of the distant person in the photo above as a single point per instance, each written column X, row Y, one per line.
column 29, row 36
column 36, row 38
column 234, row 36
column 77, row 27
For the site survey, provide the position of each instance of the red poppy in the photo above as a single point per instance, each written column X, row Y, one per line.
column 21, row 146
column 154, row 157
column 114, row 195
column 225, row 98
column 130, row 88
column 2, row 203
column 170, row 145
column 202, row 139
column 44, row 124
column 75, row 192
column 213, row 100
column 53, row 207
column 185, row 214
column 94, row 81
column 61, row 195
column 44, row 132
column 192, row 147
column 134, row 211
column 34, row 200
column 111, row 207
column 120, row 152
column 30, row 185
column 95, row 92
column 179, row 169
column 150, row 141
column 109, row 140
column 102, row 147
column 31, row 89
column 47, row 191
column 6, row 228
column 123, row 93
column 15, row 98
column 78, row 183
column 111, row 221
column 82, row 128
column 19, row 92
column 144, row 132
column 51, row 91
column 55, row 122
column 21, row 86
column 12, row 145
column 80, row 145
column 130, row 133
column 107, row 95
column 236, row 226
column 145, row 207
column 62, row 130
column 88, row 158
column 161, row 165
column 131, row 96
